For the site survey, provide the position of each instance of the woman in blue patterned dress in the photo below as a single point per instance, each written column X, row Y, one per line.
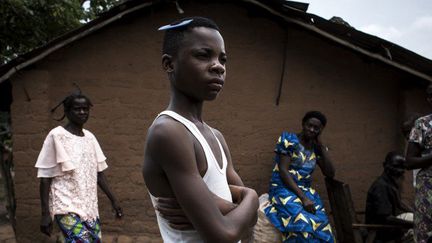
column 296, row 208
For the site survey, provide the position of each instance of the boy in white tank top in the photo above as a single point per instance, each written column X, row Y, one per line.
column 187, row 165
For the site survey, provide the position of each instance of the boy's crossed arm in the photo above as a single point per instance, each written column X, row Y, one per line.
column 193, row 195
column 170, row 210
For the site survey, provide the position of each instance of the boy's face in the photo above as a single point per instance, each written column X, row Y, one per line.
column 198, row 69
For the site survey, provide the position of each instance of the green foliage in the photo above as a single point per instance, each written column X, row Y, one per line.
column 26, row 24
column 99, row 6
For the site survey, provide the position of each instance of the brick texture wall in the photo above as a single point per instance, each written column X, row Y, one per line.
column 119, row 69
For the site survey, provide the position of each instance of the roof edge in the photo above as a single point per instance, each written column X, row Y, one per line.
column 341, row 41
column 123, row 10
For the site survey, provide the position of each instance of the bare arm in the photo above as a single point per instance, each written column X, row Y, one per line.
column 171, row 211
column 326, row 164
column 232, row 176
column 289, row 182
column 46, row 221
column 324, row 161
column 414, row 160
column 234, row 179
column 103, row 184
column 190, row 190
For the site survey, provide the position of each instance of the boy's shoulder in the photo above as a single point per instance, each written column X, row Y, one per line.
column 169, row 144
column 166, row 130
column 216, row 132
column 165, row 124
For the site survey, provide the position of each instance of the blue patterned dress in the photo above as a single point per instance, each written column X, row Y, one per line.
column 286, row 211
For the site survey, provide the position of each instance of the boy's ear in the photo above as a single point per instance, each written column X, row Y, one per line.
column 167, row 63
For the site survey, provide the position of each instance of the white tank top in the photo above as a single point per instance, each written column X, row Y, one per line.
column 215, row 179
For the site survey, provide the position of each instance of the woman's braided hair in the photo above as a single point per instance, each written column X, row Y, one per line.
column 67, row 102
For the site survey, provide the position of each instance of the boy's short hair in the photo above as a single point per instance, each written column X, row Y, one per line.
column 174, row 36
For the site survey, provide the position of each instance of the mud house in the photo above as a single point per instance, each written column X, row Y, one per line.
column 283, row 61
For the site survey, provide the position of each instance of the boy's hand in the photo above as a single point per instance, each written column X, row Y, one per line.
column 225, row 206
column 46, row 225
column 237, row 193
column 170, row 210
